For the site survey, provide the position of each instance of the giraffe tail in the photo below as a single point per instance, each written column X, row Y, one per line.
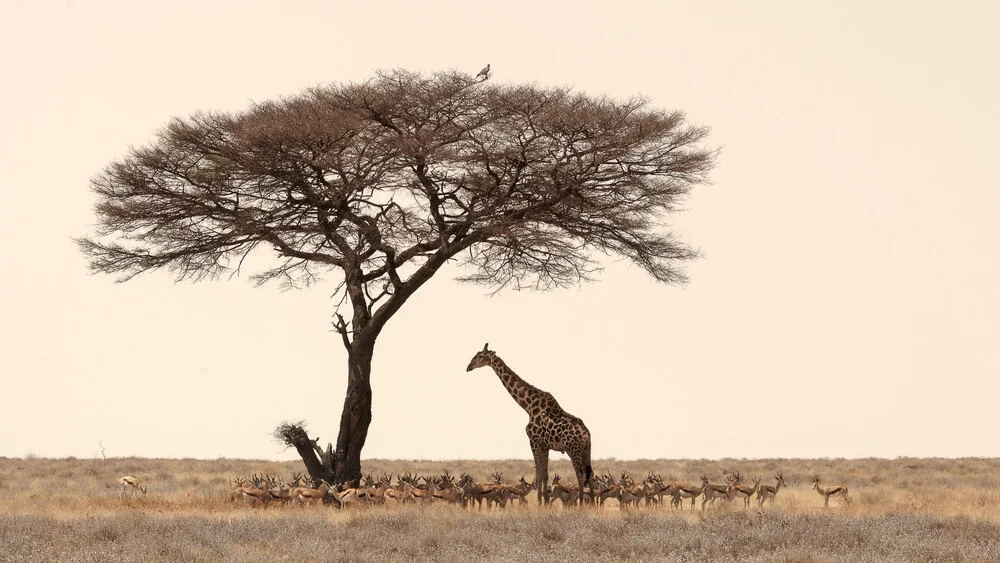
column 589, row 474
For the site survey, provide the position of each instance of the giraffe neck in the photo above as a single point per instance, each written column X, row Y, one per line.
column 519, row 389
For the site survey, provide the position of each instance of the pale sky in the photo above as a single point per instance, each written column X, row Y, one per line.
column 847, row 303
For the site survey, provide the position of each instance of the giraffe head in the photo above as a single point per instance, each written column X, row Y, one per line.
column 482, row 358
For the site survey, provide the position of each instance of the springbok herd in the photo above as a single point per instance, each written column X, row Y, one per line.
column 261, row 490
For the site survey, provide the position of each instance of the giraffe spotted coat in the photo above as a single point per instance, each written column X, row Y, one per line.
column 549, row 426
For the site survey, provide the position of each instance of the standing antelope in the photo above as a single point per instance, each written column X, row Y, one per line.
column 347, row 495
column 130, row 481
column 744, row 492
column 449, row 492
column 258, row 491
column 712, row 492
column 560, row 491
column 498, row 495
column 830, row 491
column 607, row 488
column 476, row 493
column 281, row 492
column 520, row 491
column 306, row 495
column 652, row 490
column 767, row 492
column 630, row 493
column 677, row 491
column 402, row 492
column 253, row 495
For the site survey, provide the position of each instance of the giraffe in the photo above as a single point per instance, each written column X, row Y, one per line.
column 549, row 426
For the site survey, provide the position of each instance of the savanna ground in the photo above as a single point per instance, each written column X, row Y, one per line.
column 902, row 510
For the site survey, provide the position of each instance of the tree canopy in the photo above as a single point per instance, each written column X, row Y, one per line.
column 376, row 176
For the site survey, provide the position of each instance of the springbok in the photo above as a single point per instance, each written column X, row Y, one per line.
column 306, row 495
column 374, row 489
column 630, row 492
column 678, row 491
column 130, row 481
column 606, row 488
column 448, row 491
column 520, row 491
column 282, row 492
column 602, row 489
column 767, row 492
column 654, row 488
column 402, row 492
column 347, row 495
column 252, row 495
column 567, row 494
column 711, row 492
column 744, row 492
column 830, row 491
column 490, row 492
column 422, row 492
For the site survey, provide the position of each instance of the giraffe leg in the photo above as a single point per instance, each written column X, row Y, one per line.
column 581, row 479
column 581, row 466
column 580, row 456
column 541, row 473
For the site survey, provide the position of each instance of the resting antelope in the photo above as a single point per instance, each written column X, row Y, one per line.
column 130, row 481
column 712, row 492
column 830, row 491
column 767, row 492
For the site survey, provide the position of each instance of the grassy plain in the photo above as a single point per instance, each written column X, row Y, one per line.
column 902, row 510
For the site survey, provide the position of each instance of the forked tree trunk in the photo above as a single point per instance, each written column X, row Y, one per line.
column 318, row 463
column 357, row 414
column 342, row 465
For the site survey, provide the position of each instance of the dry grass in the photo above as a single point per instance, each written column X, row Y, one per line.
column 904, row 509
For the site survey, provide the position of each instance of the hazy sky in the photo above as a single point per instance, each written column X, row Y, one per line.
column 847, row 303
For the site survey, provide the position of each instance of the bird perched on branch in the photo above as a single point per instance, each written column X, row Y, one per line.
column 485, row 73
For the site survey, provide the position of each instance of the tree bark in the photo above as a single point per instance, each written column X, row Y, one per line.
column 317, row 470
column 319, row 464
column 357, row 413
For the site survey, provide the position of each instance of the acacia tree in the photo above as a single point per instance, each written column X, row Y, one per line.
column 380, row 183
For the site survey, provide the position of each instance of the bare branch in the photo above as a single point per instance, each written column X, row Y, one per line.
column 340, row 326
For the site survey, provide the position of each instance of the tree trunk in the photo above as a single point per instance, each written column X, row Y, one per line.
column 357, row 413
column 318, row 463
